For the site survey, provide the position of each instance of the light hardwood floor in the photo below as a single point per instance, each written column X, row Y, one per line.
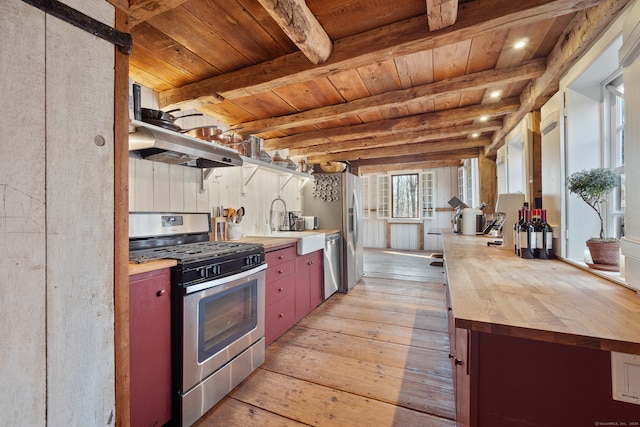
column 377, row 356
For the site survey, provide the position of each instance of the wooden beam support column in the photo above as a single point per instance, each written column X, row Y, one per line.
column 302, row 27
column 441, row 13
column 488, row 181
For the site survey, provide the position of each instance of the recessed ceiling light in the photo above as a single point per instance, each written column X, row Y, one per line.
column 484, row 118
column 496, row 94
column 475, row 135
column 520, row 43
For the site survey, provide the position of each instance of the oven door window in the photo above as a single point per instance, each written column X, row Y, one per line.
column 225, row 317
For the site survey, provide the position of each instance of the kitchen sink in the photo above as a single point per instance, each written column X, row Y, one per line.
column 308, row 241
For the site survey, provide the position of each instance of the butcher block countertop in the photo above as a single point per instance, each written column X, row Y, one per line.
column 158, row 264
column 492, row 290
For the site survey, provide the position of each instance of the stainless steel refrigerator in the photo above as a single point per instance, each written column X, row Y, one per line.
column 336, row 199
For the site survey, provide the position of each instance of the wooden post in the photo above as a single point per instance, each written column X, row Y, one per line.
column 488, row 181
column 536, row 157
column 121, row 230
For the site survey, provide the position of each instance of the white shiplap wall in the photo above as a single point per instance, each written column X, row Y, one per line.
column 162, row 187
column 406, row 236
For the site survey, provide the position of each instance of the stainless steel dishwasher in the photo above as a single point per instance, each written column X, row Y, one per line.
column 332, row 267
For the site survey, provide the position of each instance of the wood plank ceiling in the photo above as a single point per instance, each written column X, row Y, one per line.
column 371, row 82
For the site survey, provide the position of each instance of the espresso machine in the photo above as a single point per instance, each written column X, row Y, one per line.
column 458, row 205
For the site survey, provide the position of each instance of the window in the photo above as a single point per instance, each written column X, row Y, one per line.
column 592, row 103
column 383, row 197
column 468, row 190
column 427, row 187
column 366, row 201
column 406, row 196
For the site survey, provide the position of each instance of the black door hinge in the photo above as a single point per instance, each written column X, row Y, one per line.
column 86, row 23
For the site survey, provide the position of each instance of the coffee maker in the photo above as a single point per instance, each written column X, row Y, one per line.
column 458, row 205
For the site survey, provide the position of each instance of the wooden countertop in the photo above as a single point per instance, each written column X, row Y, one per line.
column 135, row 268
column 494, row 291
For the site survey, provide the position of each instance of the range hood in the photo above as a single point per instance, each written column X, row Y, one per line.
column 161, row 145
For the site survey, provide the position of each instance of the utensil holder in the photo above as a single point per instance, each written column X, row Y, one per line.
column 234, row 231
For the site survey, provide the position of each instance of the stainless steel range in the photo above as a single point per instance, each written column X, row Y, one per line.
column 218, row 300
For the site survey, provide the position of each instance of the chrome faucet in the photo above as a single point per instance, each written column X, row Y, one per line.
column 271, row 212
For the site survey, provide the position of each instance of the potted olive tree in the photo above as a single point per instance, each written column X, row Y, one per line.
column 592, row 186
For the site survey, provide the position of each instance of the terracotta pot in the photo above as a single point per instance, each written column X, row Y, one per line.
column 607, row 253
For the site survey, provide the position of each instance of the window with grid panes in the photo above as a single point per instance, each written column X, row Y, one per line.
column 366, row 209
column 406, row 196
column 383, row 196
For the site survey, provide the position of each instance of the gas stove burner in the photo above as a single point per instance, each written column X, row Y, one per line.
column 193, row 251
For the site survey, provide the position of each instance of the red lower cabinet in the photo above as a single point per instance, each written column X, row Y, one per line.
column 309, row 283
column 280, row 292
column 150, row 348
column 294, row 288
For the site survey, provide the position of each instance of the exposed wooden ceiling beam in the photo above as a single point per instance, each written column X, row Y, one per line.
column 437, row 119
column 467, row 153
column 401, row 98
column 386, row 167
column 402, row 150
column 302, row 27
column 402, row 38
column 441, row 13
column 584, row 29
column 397, row 139
column 141, row 10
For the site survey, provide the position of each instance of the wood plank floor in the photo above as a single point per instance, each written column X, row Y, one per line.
column 377, row 356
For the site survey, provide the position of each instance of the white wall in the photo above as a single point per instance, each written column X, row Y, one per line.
column 553, row 188
column 162, row 187
column 56, row 219
column 405, row 236
column 631, row 243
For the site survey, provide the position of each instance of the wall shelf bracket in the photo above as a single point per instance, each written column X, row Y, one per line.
column 204, row 175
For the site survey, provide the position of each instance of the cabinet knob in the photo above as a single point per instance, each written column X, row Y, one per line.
column 280, row 289
column 161, row 292
column 280, row 316
column 280, row 271
column 458, row 362
column 451, row 356
column 281, row 257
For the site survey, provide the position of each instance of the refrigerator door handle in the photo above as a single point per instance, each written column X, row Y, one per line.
column 356, row 217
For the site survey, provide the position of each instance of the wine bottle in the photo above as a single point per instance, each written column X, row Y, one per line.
column 527, row 237
column 535, row 221
column 516, row 230
column 544, row 236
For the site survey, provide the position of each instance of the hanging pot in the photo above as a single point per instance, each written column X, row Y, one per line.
column 151, row 114
column 208, row 133
column 163, row 119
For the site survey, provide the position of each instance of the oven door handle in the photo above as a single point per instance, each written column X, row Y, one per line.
column 224, row 280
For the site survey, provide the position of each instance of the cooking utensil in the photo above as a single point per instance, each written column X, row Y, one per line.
column 239, row 214
column 163, row 119
column 151, row 114
column 208, row 133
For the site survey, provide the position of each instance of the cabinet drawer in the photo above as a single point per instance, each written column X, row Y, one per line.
column 279, row 317
column 277, row 289
column 279, row 256
column 281, row 270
